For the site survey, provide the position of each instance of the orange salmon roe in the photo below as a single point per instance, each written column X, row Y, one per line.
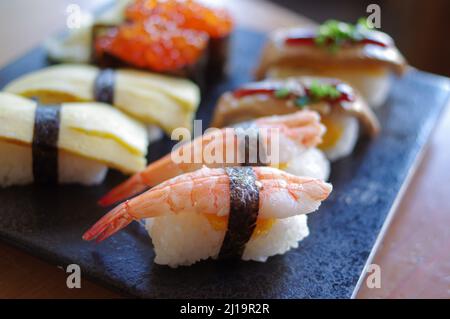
column 186, row 14
column 164, row 35
column 153, row 45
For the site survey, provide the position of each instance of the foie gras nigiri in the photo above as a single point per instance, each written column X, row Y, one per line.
column 69, row 143
column 248, row 213
column 363, row 57
column 342, row 109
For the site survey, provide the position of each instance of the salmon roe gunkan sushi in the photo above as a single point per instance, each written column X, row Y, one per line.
column 164, row 35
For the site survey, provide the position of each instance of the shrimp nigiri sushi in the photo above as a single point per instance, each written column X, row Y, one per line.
column 297, row 136
column 343, row 111
column 67, row 143
column 361, row 56
column 248, row 213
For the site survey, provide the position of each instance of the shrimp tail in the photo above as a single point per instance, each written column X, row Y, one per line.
column 156, row 173
column 125, row 190
column 109, row 224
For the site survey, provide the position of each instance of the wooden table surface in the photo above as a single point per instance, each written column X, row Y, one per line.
column 414, row 256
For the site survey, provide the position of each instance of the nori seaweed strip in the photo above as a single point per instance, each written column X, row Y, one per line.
column 244, row 207
column 104, row 86
column 247, row 132
column 218, row 52
column 45, row 144
column 102, row 60
column 261, row 159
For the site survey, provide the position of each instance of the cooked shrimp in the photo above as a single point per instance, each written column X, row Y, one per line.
column 297, row 131
column 207, row 191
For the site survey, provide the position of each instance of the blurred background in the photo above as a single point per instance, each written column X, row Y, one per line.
column 420, row 27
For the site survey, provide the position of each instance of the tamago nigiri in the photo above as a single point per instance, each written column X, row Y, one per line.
column 357, row 54
column 66, row 143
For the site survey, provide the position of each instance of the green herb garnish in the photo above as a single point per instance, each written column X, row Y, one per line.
column 323, row 91
column 362, row 23
column 332, row 34
column 282, row 93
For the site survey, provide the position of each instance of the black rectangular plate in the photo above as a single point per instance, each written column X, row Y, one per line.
column 49, row 222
